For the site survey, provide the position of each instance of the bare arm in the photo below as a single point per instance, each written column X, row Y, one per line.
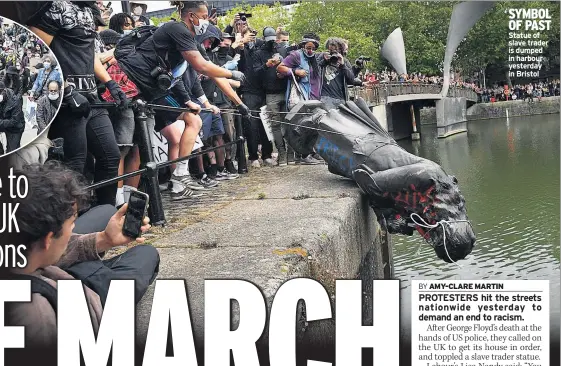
column 226, row 88
column 234, row 84
column 283, row 69
column 100, row 71
column 205, row 67
column 105, row 56
column 47, row 38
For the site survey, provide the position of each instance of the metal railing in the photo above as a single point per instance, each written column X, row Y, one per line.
column 378, row 94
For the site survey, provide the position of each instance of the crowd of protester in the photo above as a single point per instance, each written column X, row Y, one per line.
column 27, row 70
column 188, row 63
column 527, row 92
column 495, row 93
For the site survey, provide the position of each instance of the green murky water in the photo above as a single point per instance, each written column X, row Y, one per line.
column 508, row 171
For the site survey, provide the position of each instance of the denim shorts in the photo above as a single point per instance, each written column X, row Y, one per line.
column 124, row 126
column 212, row 124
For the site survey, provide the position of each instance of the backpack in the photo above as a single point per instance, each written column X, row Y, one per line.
column 38, row 286
column 128, row 43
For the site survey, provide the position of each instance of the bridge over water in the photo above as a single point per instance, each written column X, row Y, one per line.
column 397, row 106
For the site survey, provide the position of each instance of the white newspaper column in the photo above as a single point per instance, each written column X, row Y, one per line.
column 479, row 322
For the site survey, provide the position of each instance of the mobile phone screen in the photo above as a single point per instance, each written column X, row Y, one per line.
column 134, row 215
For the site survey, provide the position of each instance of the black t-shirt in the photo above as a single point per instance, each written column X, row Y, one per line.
column 333, row 83
column 168, row 42
column 73, row 29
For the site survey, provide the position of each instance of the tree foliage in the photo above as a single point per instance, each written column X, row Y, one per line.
column 486, row 44
column 367, row 24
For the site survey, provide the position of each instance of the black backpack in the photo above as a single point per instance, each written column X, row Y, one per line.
column 128, row 43
column 38, row 286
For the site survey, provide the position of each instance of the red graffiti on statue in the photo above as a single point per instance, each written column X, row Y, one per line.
column 413, row 198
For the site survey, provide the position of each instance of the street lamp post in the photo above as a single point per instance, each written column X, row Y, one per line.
column 126, row 7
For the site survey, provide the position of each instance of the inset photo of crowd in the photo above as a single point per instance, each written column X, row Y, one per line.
column 30, row 86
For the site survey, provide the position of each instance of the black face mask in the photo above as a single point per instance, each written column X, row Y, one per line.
column 223, row 50
column 270, row 44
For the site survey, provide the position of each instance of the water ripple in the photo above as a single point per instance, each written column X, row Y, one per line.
column 512, row 199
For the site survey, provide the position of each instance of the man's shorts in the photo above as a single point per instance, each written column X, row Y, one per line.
column 124, row 126
column 212, row 124
column 166, row 118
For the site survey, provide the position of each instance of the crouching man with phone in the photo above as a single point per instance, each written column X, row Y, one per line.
column 48, row 222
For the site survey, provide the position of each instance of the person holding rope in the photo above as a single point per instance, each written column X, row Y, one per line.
column 123, row 120
column 157, row 64
column 69, row 28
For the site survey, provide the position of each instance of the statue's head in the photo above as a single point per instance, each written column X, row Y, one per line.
column 454, row 238
column 440, row 206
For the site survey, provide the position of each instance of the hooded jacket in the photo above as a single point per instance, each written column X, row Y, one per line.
column 272, row 84
column 11, row 115
column 211, row 90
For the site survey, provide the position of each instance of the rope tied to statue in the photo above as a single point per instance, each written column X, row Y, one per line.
column 426, row 225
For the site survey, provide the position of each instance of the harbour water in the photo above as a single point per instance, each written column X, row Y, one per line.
column 508, row 171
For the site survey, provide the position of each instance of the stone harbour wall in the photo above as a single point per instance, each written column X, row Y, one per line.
column 548, row 105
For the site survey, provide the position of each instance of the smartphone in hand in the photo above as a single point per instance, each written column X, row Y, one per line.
column 136, row 211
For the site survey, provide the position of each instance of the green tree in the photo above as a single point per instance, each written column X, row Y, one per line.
column 486, row 45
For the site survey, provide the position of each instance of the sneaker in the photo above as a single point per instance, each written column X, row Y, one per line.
column 188, row 182
column 309, row 160
column 206, row 182
column 186, row 193
column 255, row 164
column 269, row 162
column 230, row 167
column 164, row 186
column 226, row 175
column 318, row 157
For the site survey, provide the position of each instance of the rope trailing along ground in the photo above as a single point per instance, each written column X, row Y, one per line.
column 180, row 159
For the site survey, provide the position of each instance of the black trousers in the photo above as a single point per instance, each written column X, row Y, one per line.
column 92, row 134
column 253, row 127
column 140, row 263
column 13, row 141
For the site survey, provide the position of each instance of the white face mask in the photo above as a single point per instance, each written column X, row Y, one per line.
column 127, row 31
column 202, row 27
column 47, row 65
column 53, row 96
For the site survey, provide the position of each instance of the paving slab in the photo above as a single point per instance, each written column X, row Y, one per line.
column 268, row 227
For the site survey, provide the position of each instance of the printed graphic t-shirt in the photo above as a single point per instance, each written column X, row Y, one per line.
column 171, row 38
column 333, row 83
column 73, row 29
